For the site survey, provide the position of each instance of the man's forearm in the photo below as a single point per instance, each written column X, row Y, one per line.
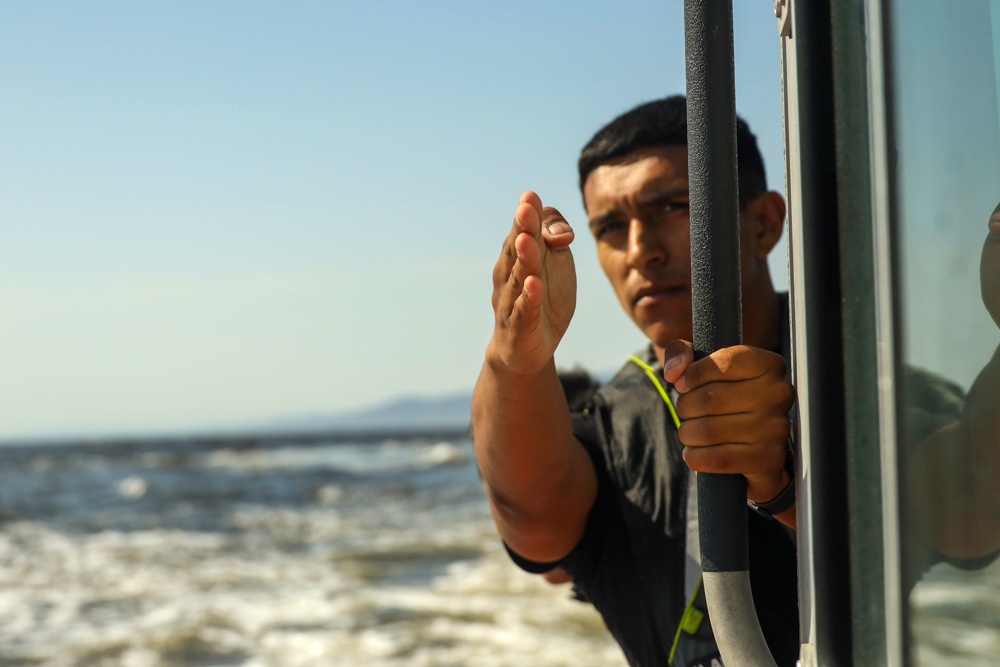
column 523, row 437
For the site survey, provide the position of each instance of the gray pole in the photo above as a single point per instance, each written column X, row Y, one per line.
column 718, row 314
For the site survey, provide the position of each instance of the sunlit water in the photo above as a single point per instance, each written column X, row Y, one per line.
column 291, row 556
column 297, row 556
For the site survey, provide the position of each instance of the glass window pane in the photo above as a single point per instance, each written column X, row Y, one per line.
column 947, row 166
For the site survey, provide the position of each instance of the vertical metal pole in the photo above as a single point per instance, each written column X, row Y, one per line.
column 718, row 313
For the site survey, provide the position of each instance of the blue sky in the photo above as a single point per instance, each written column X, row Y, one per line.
column 218, row 213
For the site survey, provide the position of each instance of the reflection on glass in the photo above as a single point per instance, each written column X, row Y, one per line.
column 947, row 133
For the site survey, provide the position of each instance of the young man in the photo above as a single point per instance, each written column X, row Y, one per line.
column 604, row 494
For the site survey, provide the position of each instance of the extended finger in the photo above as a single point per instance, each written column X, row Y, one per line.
column 527, row 244
column 529, row 255
column 531, row 198
column 764, row 393
column 525, row 285
column 731, row 364
column 527, row 309
column 509, row 273
column 523, row 223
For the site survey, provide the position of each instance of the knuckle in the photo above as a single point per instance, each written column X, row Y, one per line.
column 790, row 396
column 507, row 250
column 498, row 276
column 724, row 360
column 686, row 408
column 711, row 459
column 690, row 433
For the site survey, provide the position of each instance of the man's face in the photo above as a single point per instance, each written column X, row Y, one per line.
column 638, row 207
column 638, row 211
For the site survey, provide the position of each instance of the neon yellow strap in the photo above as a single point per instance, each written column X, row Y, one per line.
column 651, row 374
column 692, row 618
column 690, row 621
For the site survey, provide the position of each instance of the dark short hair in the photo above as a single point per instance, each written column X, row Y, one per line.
column 663, row 122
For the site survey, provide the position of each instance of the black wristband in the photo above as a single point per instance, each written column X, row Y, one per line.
column 782, row 503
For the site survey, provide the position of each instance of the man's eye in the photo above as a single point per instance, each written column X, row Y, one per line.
column 609, row 228
column 674, row 207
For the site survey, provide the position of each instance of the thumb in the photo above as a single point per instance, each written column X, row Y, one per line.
column 556, row 231
column 677, row 356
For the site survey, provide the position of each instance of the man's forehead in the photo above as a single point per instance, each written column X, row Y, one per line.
column 642, row 174
column 672, row 153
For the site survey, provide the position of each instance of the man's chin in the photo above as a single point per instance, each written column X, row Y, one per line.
column 662, row 333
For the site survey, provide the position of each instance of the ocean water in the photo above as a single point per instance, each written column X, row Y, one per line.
column 264, row 554
column 269, row 554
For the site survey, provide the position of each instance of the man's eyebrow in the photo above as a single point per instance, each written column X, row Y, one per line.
column 666, row 195
column 602, row 218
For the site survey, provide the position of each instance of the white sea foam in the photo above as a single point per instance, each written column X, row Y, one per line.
column 444, row 453
column 134, row 603
column 271, row 559
column 133, row 487
column 325, row 556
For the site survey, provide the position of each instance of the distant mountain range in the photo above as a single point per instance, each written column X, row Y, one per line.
column 450, row 411
column 447, row 414
column 442, row 416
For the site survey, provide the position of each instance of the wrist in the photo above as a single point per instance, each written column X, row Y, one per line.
column 502, row 365
column 766, row 487
column 779, row 504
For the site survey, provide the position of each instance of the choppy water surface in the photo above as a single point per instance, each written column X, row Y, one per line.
column 268, row 554
column 291, row 556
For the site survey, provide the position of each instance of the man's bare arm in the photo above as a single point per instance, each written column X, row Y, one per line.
column 540, row 482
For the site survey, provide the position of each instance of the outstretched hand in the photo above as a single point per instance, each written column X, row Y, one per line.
column 734, row 405
column 534, row 288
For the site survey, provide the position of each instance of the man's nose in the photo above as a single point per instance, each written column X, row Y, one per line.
column 644, row 248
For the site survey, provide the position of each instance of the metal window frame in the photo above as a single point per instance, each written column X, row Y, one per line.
column 842, row 279
column 884, row 207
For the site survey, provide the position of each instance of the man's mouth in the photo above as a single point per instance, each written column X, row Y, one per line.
column 652, row 295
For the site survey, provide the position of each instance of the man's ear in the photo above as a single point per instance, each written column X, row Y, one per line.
column 768, row 211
